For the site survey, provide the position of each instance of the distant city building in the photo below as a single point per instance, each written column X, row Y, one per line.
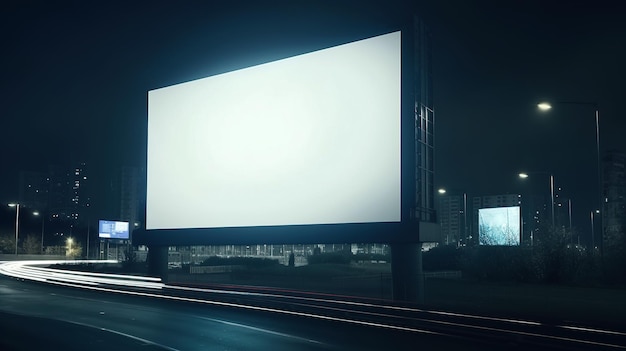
column 68, row 193
column 452, row 219
column 614, row 200
column 60, row 196
column 536, row 214
column 492, row 201
column 127, row 197
column 59, row 193
column 132, row 196
column 81, row 199
column 562, row 209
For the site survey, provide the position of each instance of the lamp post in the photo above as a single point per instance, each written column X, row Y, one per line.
column 546, row 106
column 37, row 213
column 526, row 175
column 443, row 191
column 569, row 212
column 17, row 222
column 593, row 244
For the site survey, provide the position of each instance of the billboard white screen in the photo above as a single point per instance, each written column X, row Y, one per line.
column 311, row 139
column 499, row 226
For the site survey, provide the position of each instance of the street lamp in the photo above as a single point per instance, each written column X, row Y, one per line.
column 443, row 191
column 545, row 106
column 69, row 245
column 17, row 222
column 526, row 175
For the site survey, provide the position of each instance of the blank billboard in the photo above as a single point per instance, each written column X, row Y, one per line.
column 499, row 226
column 310, row 139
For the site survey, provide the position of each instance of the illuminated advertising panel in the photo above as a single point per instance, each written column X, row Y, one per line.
column 312, row 139
column 113, row 230
column 499, row 226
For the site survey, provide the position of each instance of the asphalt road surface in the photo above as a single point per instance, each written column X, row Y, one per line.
column 38, row 317
column 70, row 312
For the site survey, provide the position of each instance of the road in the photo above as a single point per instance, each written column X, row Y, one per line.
column 47, row 309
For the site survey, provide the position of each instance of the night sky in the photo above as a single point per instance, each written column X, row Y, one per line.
column 75, row 77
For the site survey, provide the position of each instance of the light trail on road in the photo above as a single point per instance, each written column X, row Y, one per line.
column 378, row 315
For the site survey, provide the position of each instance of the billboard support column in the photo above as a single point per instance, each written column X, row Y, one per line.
column 406, row 272
column 157, row 261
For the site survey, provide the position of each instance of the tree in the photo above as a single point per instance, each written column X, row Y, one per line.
column 487, row 235
column 7, row 243
column 559, row 260
column 32, row 244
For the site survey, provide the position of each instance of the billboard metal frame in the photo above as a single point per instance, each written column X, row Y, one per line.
column 405, row 231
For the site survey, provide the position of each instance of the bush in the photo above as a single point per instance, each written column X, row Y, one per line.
column 442, row 258
column 496, row 263
column 551, row 260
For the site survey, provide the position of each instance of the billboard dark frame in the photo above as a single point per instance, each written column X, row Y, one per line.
column 405, row 231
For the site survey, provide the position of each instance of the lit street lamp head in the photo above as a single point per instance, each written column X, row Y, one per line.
column 441, row 191
column 523, row 175
column 544, row 106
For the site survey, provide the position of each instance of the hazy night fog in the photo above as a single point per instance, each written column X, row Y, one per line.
column 76, row 76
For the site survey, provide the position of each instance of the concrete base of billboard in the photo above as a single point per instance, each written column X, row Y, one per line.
column 406, row 272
